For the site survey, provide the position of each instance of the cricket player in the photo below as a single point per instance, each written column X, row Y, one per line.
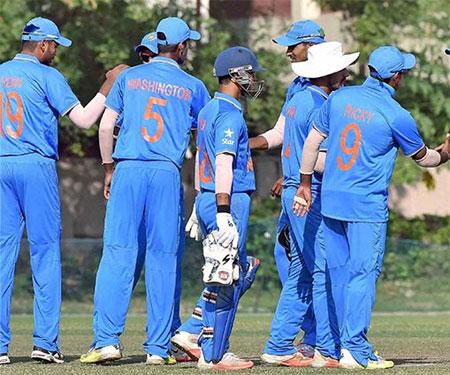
column 33, row 96
column 307, row 281
column 365, row 127
column 159, row 103
column 226, row 179
column 301, row 36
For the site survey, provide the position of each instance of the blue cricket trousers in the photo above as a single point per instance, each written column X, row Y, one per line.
column 146, row 191
column 29, row 196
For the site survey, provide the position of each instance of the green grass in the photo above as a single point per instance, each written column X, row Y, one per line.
column 418, row 343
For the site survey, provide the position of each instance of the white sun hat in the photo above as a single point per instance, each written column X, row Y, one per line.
column 324, row 59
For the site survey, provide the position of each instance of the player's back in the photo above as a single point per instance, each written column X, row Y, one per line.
column 222, row 129
column 32, row 96
column 159, row 104
column 362, row 149
column 297, row 126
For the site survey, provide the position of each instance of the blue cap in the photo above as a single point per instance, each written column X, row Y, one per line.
column 302, row 32
column 148, row 41
column 175, row 31
column 39, row 28
column 447, row 51
column 235, row 57
column 388, row 60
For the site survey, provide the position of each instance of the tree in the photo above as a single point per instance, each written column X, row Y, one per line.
column 419, row 26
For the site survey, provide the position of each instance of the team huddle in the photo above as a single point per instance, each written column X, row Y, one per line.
column 339, row 145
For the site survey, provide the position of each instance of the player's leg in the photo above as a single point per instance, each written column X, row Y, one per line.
column 221, row 302
column 38, row 182
column 142, row 248
column 11, row 230
column 161, row 263
column 367, row 242
column 282, row 260
column 295, row 296
column 115, row 275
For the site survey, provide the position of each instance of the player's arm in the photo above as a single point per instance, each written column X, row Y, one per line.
column 406, row 135
column 106, row 141
column 85, row 117
column 271, row 138
column 224, row 180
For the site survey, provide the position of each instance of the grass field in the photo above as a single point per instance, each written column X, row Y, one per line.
column 418, row 343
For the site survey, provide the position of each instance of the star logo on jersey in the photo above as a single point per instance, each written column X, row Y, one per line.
column 229, row 133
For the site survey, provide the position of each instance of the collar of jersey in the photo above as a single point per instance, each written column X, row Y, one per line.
column 302, row 81
column 27, row 57
column 229, row 99
column 165, row 60
column 318, row 90
column 380, row 86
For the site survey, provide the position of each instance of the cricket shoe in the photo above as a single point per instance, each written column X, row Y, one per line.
column 179, row 355
column 306, row 349
column 4, row 359
column 348, row 362
column 153, row 359
column 290, row 360
column 321, row 361
column 187, row 342
column 228, row 362
column 44, row 355
column 105, row 354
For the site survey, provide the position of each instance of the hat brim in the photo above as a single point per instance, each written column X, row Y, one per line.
column 409, row 61
column 194, row 35
column 63, row 41
column 310, row 69
column 447, row 51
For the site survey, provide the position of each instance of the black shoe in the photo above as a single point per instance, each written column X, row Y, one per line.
column 43, row 355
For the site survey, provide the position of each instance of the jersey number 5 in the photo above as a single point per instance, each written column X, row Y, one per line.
column 16, row 117
column 148, row 114
column 353, row 150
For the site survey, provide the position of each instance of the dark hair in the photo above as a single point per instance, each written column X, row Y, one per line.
column 167, row 48
column 29, row 45
column 374, row 74
column 224, row 80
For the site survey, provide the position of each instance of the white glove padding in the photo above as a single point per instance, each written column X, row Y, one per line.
column 193, row 227
column 221, row 263
column 227, row 233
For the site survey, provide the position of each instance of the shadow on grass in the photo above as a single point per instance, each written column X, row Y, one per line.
column 419, row 361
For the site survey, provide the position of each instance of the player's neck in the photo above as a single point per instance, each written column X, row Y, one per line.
column 322, row 83
column 230, row 89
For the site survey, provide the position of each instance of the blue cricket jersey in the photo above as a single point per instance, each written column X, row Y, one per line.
column 296, row 85
column 159, row 104
column 32, row 97
column 298, row 114
column 222, row 129
column 365, row 128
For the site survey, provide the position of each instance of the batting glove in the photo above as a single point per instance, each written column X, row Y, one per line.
column 193, row 227
column 227, row 232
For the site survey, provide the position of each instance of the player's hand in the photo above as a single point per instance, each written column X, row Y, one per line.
column 114, row 72
column 302, row 200
column 193, row 227
column 277, row 188
column 109, row 169
column 227, row 232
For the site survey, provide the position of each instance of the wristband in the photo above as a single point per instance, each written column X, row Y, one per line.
column 223, row 208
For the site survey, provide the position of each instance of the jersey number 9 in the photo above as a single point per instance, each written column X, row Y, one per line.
column 353, row 150
column 149, row 114
column 12, row 117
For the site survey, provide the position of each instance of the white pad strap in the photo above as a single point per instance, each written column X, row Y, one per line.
column 311, row 151
column 85, row 117
column 432, row 158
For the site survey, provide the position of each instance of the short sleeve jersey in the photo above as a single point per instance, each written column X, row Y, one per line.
column 222, row 129
column 32, row 97
column 298, row 114
column 158, row 104
column 365, row 128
